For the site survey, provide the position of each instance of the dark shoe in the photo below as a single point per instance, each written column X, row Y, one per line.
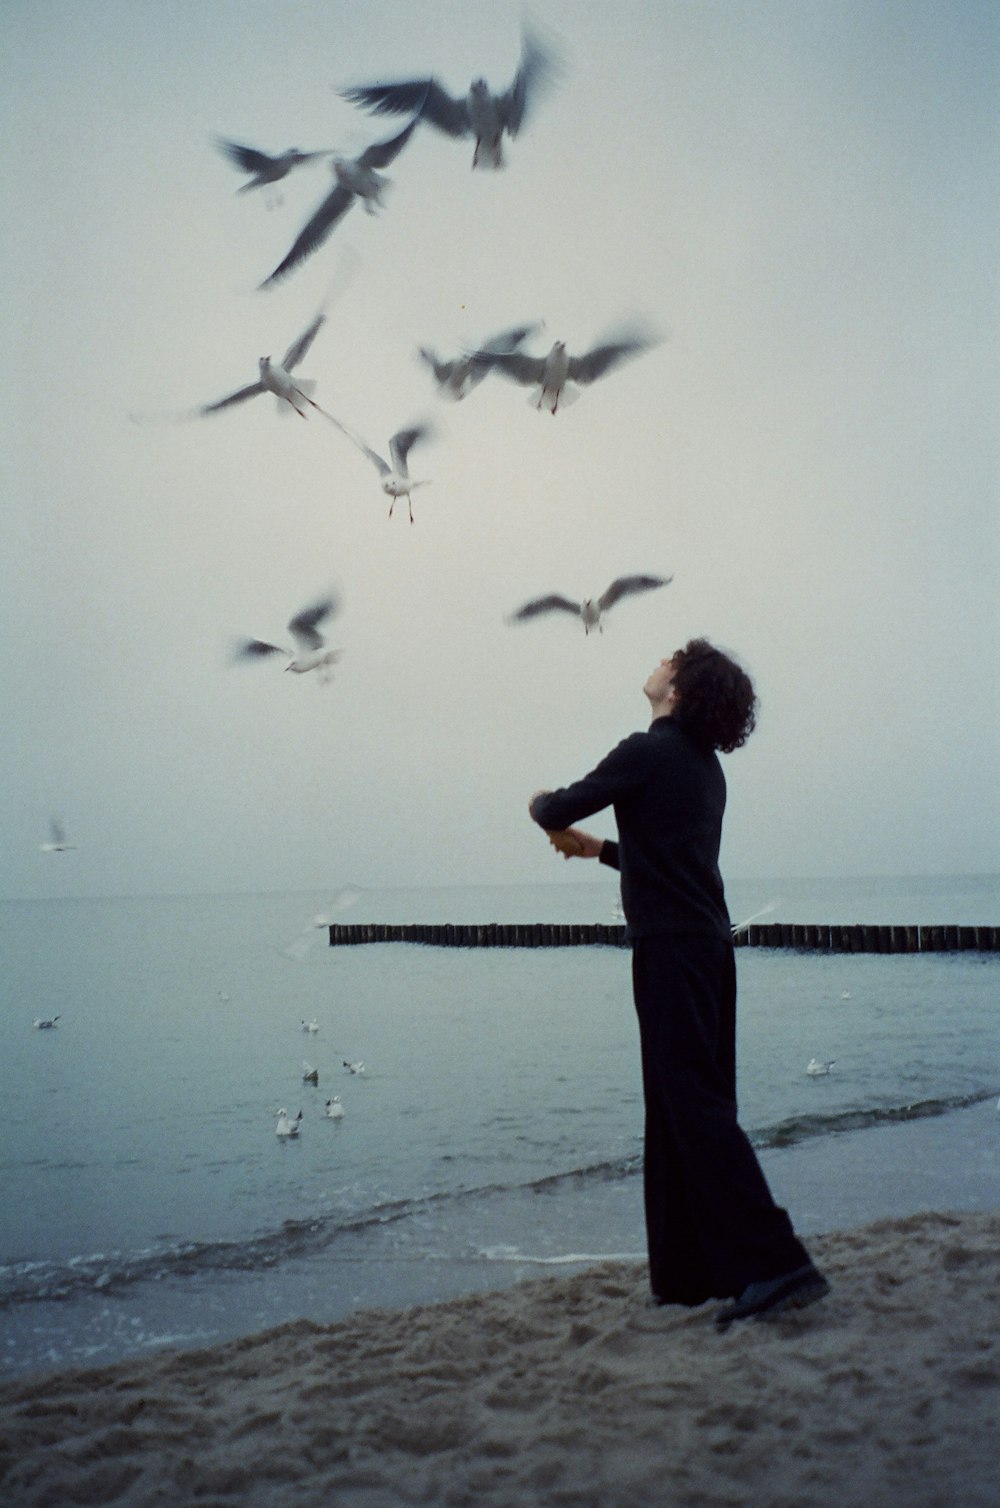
column 690, row 1300
column 792, row 1290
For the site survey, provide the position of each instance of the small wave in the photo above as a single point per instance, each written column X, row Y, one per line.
column 801, row 1127
column 565, row 1259
column 110, row 1274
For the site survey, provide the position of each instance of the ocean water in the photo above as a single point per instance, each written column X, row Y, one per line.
column 145, row 1198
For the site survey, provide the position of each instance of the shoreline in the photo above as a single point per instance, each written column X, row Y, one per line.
column 562, row 1389
column 497, row 1240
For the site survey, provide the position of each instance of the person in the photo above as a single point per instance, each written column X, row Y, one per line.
column 713, row 1229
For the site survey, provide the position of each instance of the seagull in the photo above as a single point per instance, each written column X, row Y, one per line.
column 480, row 113
column 342, row 901
column 310, row 1075
column 262, row 168
column 58, row 842
column 356, row 179
column 737, row 927
column 44, row 1024
column 276, row 377
column 553, row 378
column 396, row 479
column 456, row 379
column 285, row 1127
column 845, row 994
column 310, row 1026
column 273, row 377
column 300, row 946
column 589, row 610
column 354, row 1067
column 815, row 1069
column 312, row 653
column 334, row 1109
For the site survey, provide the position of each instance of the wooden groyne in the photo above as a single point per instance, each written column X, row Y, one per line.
column 811, row 937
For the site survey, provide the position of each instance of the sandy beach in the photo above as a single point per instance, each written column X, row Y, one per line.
column 568, row 1390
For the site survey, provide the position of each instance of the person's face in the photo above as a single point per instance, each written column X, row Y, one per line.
column 659, row 685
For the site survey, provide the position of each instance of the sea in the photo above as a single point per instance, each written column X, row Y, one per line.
column 493, row 1133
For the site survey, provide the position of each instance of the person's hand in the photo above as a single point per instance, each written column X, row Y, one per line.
column 565, row 842
column 574, row 843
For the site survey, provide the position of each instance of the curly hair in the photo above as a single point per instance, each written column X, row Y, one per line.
column 716, row 702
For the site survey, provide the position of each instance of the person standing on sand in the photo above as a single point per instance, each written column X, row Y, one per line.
column 713, row 1228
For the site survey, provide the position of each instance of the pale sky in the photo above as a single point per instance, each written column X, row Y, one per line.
column 801, row 195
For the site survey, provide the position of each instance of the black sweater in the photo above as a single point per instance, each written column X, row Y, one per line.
column 668, row 796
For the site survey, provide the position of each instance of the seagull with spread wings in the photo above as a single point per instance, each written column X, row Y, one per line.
column 456, row 379
column 554, row 377
column 589, row 610
column 396, row 479
column 263, row 169
column 311, row 654
column 479, row 113
column 276, row 377
column 357, row 178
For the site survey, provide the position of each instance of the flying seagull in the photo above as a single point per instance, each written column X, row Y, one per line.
column 356, row 179
column 276, row 377
column 312, row 653
column 456, row 379
column 737, row 927
column 58, row 842
column 300, row 946
column 554, row 377
column 263, row 169
column 480, row 113
column 396, row 479
column 589, row 610
column 43, row 1024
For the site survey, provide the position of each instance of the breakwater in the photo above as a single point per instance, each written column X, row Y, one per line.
column 813, row 937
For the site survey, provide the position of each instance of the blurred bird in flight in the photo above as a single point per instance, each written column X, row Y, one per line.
column 479, row 113
column 311, row 654
column 275, row 377
column 264, row 170
column 357, row 178
column 396, row 479
column 58, row 842
column 456, row 379
column 589, row 610
column 301, row 945
column 554, row 377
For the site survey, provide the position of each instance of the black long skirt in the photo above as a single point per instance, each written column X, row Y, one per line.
column 712, row 1225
